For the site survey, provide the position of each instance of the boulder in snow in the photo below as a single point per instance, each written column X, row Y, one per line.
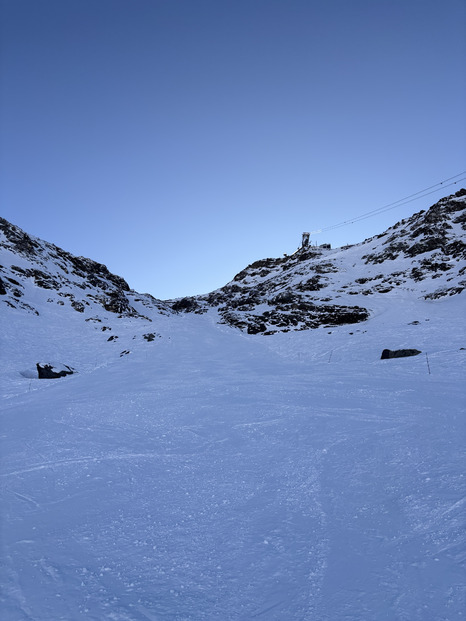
column 49, row 371
column 398, row 353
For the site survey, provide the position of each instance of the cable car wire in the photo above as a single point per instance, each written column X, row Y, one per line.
column 399, row 203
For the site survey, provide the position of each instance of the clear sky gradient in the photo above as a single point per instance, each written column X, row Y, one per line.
column 176, row 141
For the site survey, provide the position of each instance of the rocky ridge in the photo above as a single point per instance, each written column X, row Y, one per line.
column 29, row 264
column 425, row 254
column 315, row 286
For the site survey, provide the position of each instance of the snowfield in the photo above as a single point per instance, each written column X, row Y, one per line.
column 211, row 475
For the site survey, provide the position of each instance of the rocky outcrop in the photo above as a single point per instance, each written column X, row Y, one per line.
column 312, row 287
column 50, row 371
column 399, row 353
column 261, row 300
column 118, row 303
column 426, row 232
column 22, row 243
column 81, row 283
column 301, row 316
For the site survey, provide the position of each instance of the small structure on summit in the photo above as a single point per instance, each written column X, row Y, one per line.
column 305, row 243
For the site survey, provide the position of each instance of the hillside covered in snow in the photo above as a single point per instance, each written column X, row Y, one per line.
column 423, row 256
column 244, row 454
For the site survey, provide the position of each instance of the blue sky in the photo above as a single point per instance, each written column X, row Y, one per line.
column 176, row 141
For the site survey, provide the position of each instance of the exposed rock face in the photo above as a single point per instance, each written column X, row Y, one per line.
column 118, row 303
column 81, row 283
column 317, row 286
column 300, row 315
column 425, row 232
column 185, row 304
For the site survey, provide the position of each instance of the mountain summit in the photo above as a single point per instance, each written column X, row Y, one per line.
column 424, row 255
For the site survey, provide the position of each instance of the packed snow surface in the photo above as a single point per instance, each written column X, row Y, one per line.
column 214, row 475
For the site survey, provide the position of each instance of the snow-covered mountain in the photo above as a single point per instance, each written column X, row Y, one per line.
column 189, row 470
column 423, row 255
column 33, row 271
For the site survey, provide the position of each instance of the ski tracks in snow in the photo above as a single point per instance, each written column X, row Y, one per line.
column 236, row 487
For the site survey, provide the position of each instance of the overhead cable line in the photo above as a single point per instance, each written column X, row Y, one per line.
column 402, row 201
column 388, row 208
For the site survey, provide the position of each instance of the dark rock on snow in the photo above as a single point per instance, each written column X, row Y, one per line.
column 48, row 371
column 398, row 353
column 150, row 336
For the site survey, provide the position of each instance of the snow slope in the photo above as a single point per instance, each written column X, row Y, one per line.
column 212, row 475
column 204, row 473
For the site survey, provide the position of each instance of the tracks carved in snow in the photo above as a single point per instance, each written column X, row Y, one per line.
column 85, row 460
